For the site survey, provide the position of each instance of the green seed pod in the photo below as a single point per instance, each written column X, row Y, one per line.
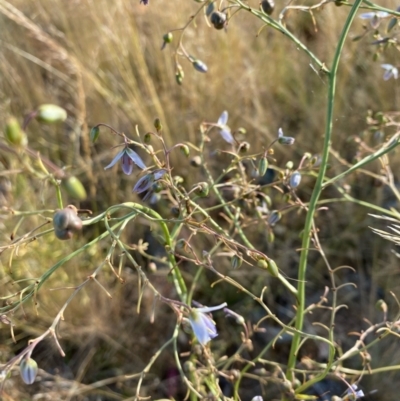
column 168, row 37
column 94, row 134
column 74, row 188
column 273, row 268
column 242, row 131
column 157, row 124
column 185, row 150
column 28, row 369
column 202, row 189
column 262, row 166
column 179, row 75
column 271, row 237
column 51, row 113
column 236, row 262
column 14, row 134
column 268, row 6
column 195, row 161
column 218, row 19
column 381, row 305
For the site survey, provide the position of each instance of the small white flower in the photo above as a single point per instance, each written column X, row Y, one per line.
column 202, row 325
column 390, row 71
column 225, row 130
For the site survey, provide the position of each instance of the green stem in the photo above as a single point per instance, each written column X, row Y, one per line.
column 315, row 196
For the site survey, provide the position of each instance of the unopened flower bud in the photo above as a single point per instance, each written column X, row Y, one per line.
column 168, row 37
column 179, row 75
column 289, row 165
column 185, row 150
column 74, row 188
column 94, row 134
column 157, row 124
column 381, row 305
column 199, row 66
column 271, row 237
column 28, row 369
column 295, row 179
column 236, row 262
column 273, row 268
column 286, row 140
column 262, row 166
column 51, row 113
column 14, row 134
column 274, row 217
column 147, row 138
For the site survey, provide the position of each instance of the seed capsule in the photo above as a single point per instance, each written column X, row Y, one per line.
column 66, row 222
column 218, row 19
column 74, row 188
column 268, row 6
column 262, row 166
column 94, row 134
column 14, row 134
column 51, row 113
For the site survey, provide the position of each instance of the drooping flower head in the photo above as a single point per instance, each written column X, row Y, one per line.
column 202, row 325
column 128, row 158
column 225, row 131
column 390, row 71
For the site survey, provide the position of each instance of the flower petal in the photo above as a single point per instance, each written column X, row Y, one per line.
column 135, row 158
column 223, row 118
column 280, row 132
column 127, row 164
column 144, row 183
column 115, row 160
column 159, row 174
column 226, row 134
column 367, row 15
column 207, row 309
column 199, row 327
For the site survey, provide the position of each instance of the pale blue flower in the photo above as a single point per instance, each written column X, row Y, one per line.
column 284, row 140
column 390, row 71
column 128, row 158
column 353, row 393
column 225, row 131
column 202, row 325
column 372, row 15
column 148, row 180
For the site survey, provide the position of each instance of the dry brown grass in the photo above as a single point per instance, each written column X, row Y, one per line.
column 101, row 60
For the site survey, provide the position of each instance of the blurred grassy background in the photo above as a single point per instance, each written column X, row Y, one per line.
column 101, row 61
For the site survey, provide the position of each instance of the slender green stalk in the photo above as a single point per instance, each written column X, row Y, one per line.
column 314, row 199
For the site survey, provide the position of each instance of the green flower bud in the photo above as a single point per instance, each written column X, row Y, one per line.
column 28, row 369
column 14, row 134
column 147, row 138
column 381, row 305
column 185, row 150
column 168, row 37
column 262, row 166
column 157, row 124
column 51, row 113
column 289, row 165
column 236, row 262
column 94, row 134
column 271, row 237
column 74, row 188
